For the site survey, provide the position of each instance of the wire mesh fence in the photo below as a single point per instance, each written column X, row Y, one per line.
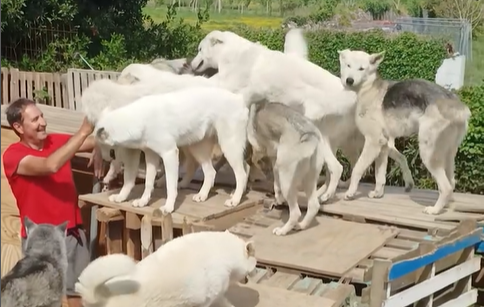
column 457, row 31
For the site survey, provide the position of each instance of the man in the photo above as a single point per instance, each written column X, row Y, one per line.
column 39, row 173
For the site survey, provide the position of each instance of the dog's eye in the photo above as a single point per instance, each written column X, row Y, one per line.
column 349, row 66
column 361, row 69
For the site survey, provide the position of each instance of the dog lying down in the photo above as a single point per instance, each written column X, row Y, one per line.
column 293, row 143
column 388, row 110
column 192, row 270
column 196, row 117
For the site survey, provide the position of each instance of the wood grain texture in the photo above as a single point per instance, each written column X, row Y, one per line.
column 11, row 254
column 329, row 247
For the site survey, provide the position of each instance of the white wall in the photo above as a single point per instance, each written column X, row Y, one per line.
column 451, row 74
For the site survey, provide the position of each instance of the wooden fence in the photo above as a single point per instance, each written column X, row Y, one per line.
column 53, row 89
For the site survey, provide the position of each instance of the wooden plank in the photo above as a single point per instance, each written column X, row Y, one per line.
column 212, row 208
column 258, row 295
column 307, row 250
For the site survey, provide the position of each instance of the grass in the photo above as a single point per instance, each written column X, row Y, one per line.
column 475, row 68
column 216, row 21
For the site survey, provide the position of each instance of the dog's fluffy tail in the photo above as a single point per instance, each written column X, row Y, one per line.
column 296, row 44
column 100, row 271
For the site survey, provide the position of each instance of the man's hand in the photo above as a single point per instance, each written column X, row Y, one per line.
column 86, row 128
column 97, row 160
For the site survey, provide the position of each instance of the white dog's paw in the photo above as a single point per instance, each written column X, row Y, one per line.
column 231, row 203
column 431, row 210
column 107, row 180
column 140, row 203
column 163, row 210
column 279, row 231
column 116, row 198
column 376, row 194
column 349, row 196
column 200, row 197
column 324, row 198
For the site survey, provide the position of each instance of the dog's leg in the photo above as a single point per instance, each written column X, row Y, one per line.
column 152, row 161
column 171, row 163
column 402, row 162
column 130, row 160
column 335, row 168
column 429, row 146
column 310, row 181
column 234, row 154
column 277, row 186
column 114, row 170
column 202, row 153
column 352, row 153
column 381, row 163
column 289, row 191
column 190, row 165
column 370, row 152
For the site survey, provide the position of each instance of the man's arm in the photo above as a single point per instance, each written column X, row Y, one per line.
column 39, row 166
column 88, row 145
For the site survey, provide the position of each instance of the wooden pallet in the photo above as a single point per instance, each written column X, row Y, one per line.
column 405, row 241
column 292, row 284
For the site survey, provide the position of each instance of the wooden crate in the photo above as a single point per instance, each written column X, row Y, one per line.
column 137, row 232
column 416, row 278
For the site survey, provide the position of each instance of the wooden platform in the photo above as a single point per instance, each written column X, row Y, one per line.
column 397, row 209
column 185, row 208
column 267, row 289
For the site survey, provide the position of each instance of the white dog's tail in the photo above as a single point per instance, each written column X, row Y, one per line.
column 296, row 44
column 95, row 276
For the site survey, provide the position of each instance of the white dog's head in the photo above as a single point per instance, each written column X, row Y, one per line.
column 357, row 67
column 209, row 51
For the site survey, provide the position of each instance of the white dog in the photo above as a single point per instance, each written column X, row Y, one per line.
column 105, row 93
column 159, row 124
column 387, row 110
column 259, row 72
column 192, row 270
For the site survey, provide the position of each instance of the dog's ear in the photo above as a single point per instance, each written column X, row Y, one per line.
column 29, row 225
column 343, row 53
column 250, row 248
column 377, row 58
column 214, row 41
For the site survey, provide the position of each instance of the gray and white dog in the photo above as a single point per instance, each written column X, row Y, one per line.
column 38, row 280
column 387, row 110
column 293, row 143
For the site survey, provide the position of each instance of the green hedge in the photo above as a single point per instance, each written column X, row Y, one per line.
column 407, row 55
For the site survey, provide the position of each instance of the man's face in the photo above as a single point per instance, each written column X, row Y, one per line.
column 33, row 124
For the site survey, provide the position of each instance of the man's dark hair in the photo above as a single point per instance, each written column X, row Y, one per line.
column 15, row 109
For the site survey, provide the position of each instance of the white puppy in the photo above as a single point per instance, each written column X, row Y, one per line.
column 159, row 124
column 192, row 270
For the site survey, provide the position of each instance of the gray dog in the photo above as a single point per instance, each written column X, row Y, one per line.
column 293, row 144
column 38, row 280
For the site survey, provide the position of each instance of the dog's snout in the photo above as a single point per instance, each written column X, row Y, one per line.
column 350, row 81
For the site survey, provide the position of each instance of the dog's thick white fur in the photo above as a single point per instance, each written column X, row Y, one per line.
column 388, row 110
column 192, row 270
column 197, row 117
column 258, row 72
column 108, row 94
column 295, row 43
column 148, row 73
